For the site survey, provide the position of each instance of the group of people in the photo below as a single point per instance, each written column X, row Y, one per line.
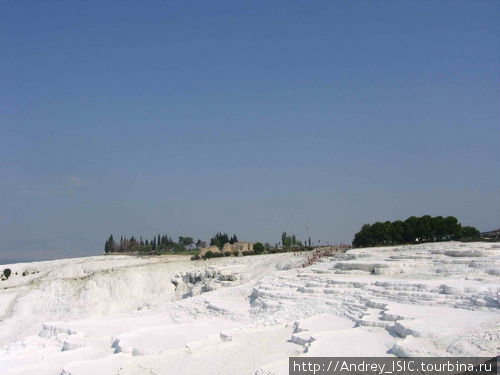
column 322, row 252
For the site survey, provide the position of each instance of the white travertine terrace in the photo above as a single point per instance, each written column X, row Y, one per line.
column 247, row 315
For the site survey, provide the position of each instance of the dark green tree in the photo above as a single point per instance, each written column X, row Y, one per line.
column 110, row 245
column 219, row 240
column 398, row 232
column 7, row 272
column 185, row 241
column 439, row 229
column 258, row 248
column 413, row 230
column 283, row 238
column 470, row 233
column 452, row 227
column 411, row 233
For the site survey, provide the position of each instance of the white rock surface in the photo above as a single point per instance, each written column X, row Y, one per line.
column 247, row 315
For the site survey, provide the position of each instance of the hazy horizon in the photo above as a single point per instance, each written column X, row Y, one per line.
column 248, row 118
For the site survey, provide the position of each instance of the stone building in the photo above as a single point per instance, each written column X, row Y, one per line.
column 238, row 248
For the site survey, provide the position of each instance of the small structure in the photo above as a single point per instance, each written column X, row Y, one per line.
column 238, row 248
column 201, row 244
column 492, row 235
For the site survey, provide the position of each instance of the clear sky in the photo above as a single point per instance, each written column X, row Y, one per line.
column 248, row 117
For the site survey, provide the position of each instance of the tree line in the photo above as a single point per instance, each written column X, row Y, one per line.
column 164, row 243
column 290, row 241
column 220, row 239
column 157, row 244
column 414, row 230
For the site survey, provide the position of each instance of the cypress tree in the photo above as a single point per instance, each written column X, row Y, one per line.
column 109, row 245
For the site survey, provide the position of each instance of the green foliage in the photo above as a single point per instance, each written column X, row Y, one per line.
column 186, row 241
column 470, row 233
column 220, row 239
column 227, row 253
column 158, row 245
column 7, row 272
column 413, row 230
column 109, row 245
column 258, row 248
column 209, row 254
column 290, row 241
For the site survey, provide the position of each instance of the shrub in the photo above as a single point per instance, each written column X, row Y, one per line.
column 7, row 272
column 209, row 254
column 195, row 257
column 228, row 253
column 248, row 252
column 258, row 248
column 470, row 233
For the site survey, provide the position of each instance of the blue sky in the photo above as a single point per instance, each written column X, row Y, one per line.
column 251, row 117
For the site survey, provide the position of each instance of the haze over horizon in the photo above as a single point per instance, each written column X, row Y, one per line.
column 252, row 118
